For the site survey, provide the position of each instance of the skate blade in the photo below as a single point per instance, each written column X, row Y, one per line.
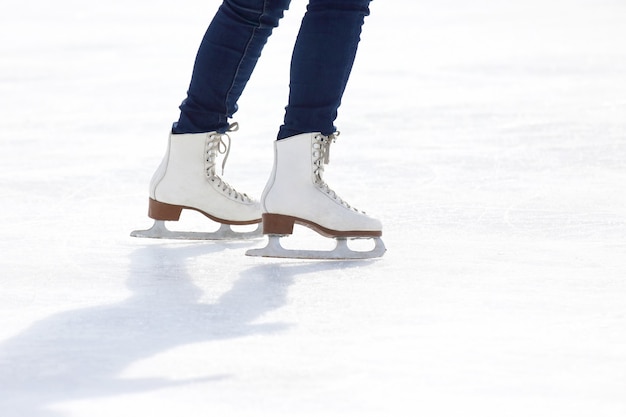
column 225, row 232
column 341, row 252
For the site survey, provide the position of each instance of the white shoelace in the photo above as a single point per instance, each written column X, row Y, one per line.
column 321, row 157
column 217, row 145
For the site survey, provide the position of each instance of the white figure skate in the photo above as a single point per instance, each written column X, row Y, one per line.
column 297, row 194
column 187, row 180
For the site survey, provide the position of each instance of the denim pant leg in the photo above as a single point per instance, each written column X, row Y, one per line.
column 321, row 64
column 226, row 58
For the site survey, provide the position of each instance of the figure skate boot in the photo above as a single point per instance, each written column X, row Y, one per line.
column 297, row 194
column 187, row 180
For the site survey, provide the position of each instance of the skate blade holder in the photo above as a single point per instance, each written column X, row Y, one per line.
column 342, row 251
column 225, row 232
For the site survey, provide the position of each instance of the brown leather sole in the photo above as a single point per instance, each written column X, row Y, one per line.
column 280, row 224
column 171, row 212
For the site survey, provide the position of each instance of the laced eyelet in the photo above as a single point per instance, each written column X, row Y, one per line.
column 321, row 157
column 216, row 144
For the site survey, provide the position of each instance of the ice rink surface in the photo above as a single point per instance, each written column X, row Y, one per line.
column 489, row 137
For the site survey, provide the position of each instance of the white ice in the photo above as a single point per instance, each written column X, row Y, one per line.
column 489, row 137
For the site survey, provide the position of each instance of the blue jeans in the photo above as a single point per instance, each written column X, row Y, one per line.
column 321, row 63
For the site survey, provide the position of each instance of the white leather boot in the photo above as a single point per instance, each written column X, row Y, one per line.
column 187, row 179
column 297, row 194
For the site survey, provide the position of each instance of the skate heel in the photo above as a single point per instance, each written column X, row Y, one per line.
column 163, row 211
column 277, row 224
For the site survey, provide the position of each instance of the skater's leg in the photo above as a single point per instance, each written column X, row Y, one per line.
column 321, row 64
column 226, row 58
column 296, row 192
column 187, row 178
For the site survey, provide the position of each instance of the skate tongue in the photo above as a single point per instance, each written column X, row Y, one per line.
column 221, row 146
column 326, row 141
column 217, row 146
column 226, row 149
